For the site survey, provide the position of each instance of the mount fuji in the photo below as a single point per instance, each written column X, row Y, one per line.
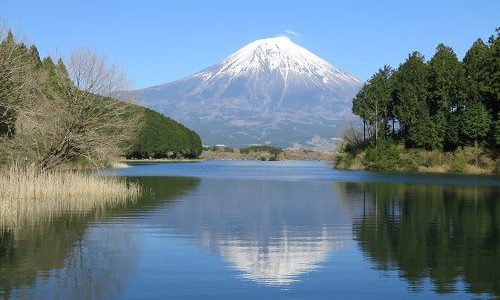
column 271, row 91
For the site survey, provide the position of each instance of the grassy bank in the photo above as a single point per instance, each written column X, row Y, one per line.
column 27, row 196
column 397, row 158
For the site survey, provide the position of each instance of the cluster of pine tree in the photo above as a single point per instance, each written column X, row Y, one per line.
column 442, row 103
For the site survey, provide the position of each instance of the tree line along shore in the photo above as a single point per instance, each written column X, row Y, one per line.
column 262, row 153
column 436, row 115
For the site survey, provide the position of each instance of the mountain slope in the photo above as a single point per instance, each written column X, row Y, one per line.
column 270, row 91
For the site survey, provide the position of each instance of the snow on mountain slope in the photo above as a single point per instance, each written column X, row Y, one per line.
column 270, row 91
column 275, row 55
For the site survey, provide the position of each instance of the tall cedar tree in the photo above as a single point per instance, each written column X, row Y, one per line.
column 410, row 97
column 373, row 101
column 447, row 94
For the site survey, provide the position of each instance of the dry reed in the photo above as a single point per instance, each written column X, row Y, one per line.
column 28, row 196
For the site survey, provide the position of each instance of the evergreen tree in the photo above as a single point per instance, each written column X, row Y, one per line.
column 475, row 69
column 442, row 104
column 446, row 93
column 446, row 80
column 372, row 102
column 410, row 94
column 482, row 67
column 492, row 86
column 360, row 106
column 35, row 56
column 496, row 131
column 162, row 137
column 424, row 134
column 476, row 122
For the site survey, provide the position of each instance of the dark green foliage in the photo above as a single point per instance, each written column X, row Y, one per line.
column 410, row 91
column 496, row 131
column 372, row 102
column 493, row 73
column 446, row 81
column 475, row 122
column 424, row 134
column 482, row 66
column 474, row 64
column 438, row 104
column 383, row 156
column 162, row 137
column 453, row 130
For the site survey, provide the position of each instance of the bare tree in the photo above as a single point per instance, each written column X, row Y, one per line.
column 353, row 139
column 56, row 114
column 91, row 122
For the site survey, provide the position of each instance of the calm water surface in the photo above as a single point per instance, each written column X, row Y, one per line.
column 267, row 230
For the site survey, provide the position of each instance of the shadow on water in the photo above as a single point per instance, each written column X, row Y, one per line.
column 93, row 260
column 448, row 234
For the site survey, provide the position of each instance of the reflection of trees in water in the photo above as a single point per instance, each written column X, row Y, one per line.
column 92, row 266
column 446, row 233
column 32, row 250
column 66, row 259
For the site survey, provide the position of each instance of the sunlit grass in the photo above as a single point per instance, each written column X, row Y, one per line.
column 27, row 196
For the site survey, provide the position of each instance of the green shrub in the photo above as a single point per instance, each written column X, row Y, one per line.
column 458, row 162
column 162, row 137
column 383, row 156
column 347, row 160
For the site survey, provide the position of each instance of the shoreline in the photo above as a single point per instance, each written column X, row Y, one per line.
column 422, row 171
column 464, row 161
column 440, row 169
column 160, row 160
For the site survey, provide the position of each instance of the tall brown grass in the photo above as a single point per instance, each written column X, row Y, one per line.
column 28, row 196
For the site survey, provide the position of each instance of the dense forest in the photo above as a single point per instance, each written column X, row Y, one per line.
column 162, row 137
column 52, row 113
column 441, row 104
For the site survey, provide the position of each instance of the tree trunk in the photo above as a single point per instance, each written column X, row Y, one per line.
column 364, row 131
column 477, row 154
column 376, row 122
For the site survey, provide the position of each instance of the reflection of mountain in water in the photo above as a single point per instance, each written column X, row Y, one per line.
column 448, row 234
column 282, row 260
column 271, row 232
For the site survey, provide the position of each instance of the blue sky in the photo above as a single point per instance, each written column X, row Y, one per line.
column 160, row 41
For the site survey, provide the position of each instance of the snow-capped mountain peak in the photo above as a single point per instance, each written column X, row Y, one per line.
column 270, row 91
column 275, row 55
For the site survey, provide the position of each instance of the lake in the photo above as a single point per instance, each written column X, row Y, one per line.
column 267, row 230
